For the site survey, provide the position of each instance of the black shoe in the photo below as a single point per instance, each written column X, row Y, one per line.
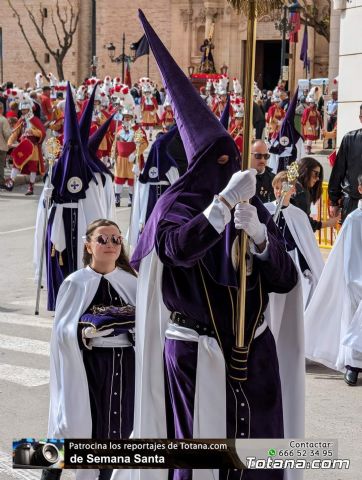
column 351, row 377
column 9, row 185
column 51, row 474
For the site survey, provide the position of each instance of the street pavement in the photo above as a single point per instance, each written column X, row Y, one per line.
column 332, row 408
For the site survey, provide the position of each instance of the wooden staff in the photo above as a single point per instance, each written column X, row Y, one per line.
column 53, row 148
column 138, row 139
column 251, row 8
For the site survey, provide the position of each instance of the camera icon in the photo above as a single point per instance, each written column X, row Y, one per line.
column 36, row 454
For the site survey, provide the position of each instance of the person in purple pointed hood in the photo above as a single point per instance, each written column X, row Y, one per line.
column 160, row 171
column 188, row 288
column 76, row 203
column 288, row 145
column 103, row 176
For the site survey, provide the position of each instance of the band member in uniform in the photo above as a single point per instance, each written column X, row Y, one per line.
column 274, row 117
column 127, row 151
column 149, row 106
column 236, row 129
column 311, row 122
column 26, row 140
column 167, row 118
column 100, row 116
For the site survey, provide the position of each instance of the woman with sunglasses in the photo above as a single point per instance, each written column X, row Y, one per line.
column 92, row 356
column 309, row 190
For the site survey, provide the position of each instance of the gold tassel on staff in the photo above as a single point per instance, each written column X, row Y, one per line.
column 252, row 9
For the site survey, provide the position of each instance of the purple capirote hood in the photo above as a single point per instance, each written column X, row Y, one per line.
column 195, row 121
column 71, row 173
column 205, row 140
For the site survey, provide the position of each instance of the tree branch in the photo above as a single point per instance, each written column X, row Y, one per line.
column 27, row 40
column 56, row 29
column 39, row 32
column 41, row 18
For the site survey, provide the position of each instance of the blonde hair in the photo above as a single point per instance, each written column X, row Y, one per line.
column 280, row 177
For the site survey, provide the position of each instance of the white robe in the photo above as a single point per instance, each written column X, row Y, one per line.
column 301, row 230
column 69, row 411
column 333, row 320
column 286, row 321
column 38, row 240
column 140, row 203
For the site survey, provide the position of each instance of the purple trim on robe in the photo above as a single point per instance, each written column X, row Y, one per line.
column 55, row 272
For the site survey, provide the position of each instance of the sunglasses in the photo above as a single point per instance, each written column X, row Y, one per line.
column 259, row 156
column 316, row 174
column 104, row 239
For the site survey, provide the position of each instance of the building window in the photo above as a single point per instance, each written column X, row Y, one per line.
column 46, row 58
column 45, row 12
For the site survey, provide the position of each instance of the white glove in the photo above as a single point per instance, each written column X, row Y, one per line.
column 240, row 188
column 90, row 332
column 136, row 169
column 132, row 158
column 246, row 218
column 48, row 192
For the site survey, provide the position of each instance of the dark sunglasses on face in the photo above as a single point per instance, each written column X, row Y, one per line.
column 104, row 239
column 316, row 174
column 259, row 156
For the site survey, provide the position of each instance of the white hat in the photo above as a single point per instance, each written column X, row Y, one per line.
column 39, row 80
column 146, row 85
column 81, row 92
column 236, row 86
column 239, row 114
column 26, row 104
column 127, row 110
column 52, row 79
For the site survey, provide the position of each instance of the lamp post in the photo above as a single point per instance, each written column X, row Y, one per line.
column 122, row 58
column 294, row 9
column 284, row 27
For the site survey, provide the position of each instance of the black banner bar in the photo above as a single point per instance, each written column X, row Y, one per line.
column 151, row 453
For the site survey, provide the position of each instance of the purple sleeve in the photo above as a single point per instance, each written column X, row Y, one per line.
column 184, row 237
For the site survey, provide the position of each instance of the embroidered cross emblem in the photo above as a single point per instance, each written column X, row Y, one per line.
column 74, row 185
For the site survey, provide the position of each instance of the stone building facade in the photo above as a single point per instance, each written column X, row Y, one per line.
column 182, row 25
column 350, row 66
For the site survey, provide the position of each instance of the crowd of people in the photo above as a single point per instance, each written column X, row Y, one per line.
column 161, row 328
